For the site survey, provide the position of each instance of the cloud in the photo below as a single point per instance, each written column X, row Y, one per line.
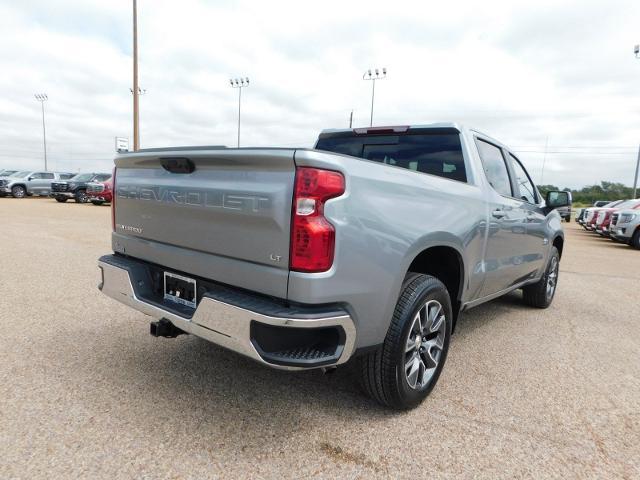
column 526, row 73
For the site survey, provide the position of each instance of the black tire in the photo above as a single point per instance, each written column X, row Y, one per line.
column 61, row 199
column 538, row 295
column 383, row 372
column 97, row 202
column 635, row 239
column 81, row 196
column 568, row 219
column 18, row 191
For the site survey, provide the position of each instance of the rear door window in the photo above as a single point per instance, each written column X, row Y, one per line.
column 495, row 167
column 527, row 191
column 434, row 153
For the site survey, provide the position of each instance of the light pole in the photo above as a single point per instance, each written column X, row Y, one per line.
column 136, row 89
column 136, row 116
column 239, row 83
column 636, row 50
column 42, row 97
column 368, row 75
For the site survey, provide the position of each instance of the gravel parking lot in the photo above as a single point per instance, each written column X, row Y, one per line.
column 86, row 392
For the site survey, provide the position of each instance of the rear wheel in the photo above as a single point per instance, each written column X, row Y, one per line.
column 541, row 293
column 18, row 191
column 404, row 370
column 97, row 202
column 635, row 240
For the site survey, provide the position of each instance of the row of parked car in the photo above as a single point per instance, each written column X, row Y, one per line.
column 81, row 187
column 618, row 220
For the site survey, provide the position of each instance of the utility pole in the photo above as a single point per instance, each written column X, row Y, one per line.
column 239, row 84
column 42, row 97
column 636, row 50
column 136, row 89
column 370, row 76
column 351, row 119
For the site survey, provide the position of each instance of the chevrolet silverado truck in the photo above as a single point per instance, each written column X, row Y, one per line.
column 76, row 187
column 367, row 247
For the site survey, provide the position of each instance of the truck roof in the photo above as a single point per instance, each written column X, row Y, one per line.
column 332, row 131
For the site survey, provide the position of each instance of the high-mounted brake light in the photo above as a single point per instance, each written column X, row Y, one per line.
column 312, row 236
column 381, row 130
column 113, row 199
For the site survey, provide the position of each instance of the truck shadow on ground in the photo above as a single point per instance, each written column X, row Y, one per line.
column 209, row 378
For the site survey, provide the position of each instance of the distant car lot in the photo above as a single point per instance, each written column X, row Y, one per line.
column 85, row 393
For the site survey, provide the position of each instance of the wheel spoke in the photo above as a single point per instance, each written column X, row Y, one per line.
column 415, row 328
column 411, row 344
column 412, row 369
column 429, row 357
column 434, row 312
column 422, row 370
column 437, row 324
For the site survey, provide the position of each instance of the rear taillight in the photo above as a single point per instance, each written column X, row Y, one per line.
column 313, row 238
column 113, row 200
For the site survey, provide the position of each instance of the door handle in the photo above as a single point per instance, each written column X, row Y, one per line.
column 498, row 213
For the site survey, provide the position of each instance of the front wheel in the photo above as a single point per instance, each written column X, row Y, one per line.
column 635, row 240
column 18, row 191
column 541, row 293
column 61, row 199
column 97, row 202
column 403, row 371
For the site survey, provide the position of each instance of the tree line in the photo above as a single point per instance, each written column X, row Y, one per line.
column 589, row 194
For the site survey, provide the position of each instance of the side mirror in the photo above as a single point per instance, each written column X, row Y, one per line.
column 556, row 199
column 29, row 179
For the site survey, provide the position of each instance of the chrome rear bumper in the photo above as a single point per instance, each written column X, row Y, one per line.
column 224, row 324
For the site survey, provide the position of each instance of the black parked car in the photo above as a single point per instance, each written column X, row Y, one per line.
column 76, row 187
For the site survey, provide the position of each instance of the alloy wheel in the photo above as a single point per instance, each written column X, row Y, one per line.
column 552, row 277
column 424, row 344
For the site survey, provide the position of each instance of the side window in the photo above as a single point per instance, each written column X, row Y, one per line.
column 527, row 191
column 36, row 176
column 495, row 167
column 102, row 178
column 48, row 176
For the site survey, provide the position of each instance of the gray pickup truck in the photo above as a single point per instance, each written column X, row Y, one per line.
column 367, row 247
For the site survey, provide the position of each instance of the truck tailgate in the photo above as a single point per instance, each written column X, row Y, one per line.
column 227, row 220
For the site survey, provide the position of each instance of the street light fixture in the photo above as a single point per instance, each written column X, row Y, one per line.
column 239, row 83
column 42, row 97
column 636, row 50
column 373, row 76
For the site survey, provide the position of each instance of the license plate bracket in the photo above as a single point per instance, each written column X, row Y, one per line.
column 180, row 289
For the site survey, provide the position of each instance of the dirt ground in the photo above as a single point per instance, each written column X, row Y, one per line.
column 86, row 392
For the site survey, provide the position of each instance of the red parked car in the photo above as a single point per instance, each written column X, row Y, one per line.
column 100, row 193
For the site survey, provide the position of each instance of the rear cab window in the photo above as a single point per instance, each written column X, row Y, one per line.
column 435, row 151
column 495, row 167
column 526, row 189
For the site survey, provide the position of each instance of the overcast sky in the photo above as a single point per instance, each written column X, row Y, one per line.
column 527, row 74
